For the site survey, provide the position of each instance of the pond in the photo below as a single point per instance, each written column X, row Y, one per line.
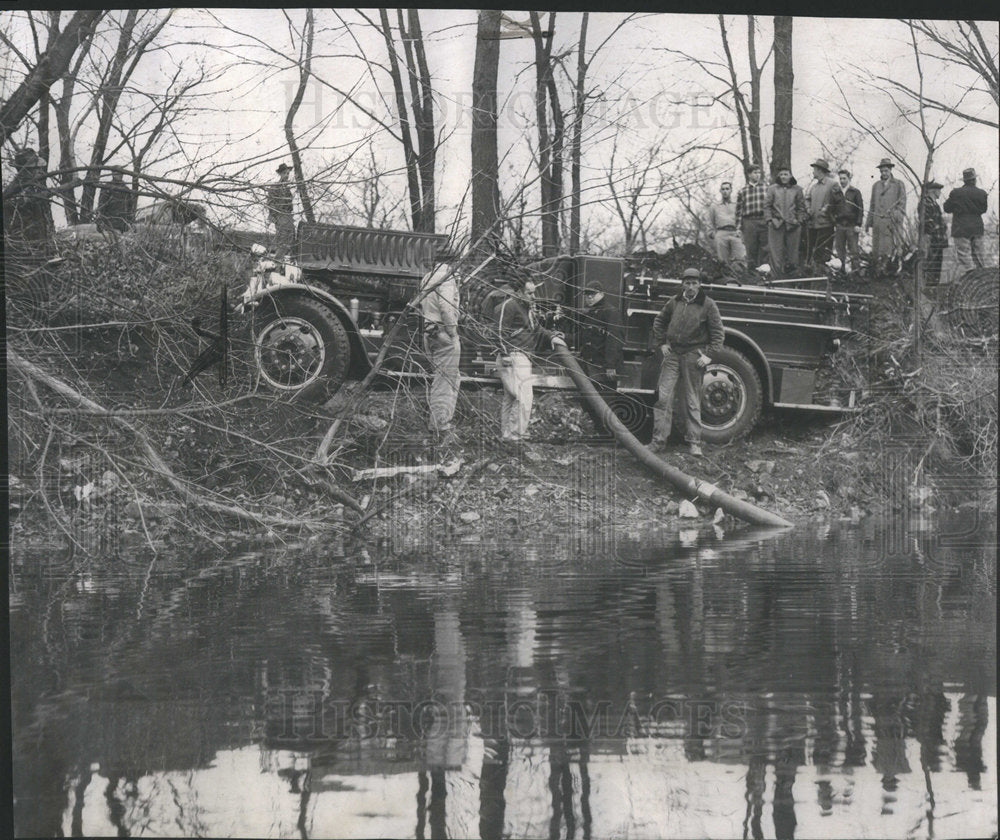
column 823, row 682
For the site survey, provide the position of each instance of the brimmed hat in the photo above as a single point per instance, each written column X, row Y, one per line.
column 821, row 164
column 690, row 273
column 933, row 185
column 283, row 167
column 968, row 174
column 885, row 162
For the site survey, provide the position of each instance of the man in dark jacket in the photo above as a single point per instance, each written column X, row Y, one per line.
column 687, row 327
column 602, row 336
column 967, row 205
column 935, row 231
column 27, row 216
column 848, row 210
column 517, row 335
column 114, row 208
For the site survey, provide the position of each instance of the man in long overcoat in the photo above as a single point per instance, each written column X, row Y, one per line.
column 886, row 212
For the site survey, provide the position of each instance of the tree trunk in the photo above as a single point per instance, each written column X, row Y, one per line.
column 485, row 164
column 52, row 65
column 781, row 151
column 67, row 159
column 110, row 92
column 546, row 141
column 579, row 103
column 305, row 71
column 753, row 118
column 423, row 115
column 410, row 156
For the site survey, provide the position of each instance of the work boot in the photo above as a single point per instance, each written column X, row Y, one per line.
column 658, row 445
column 695, row 449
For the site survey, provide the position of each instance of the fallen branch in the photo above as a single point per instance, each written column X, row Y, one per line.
column 156, row 462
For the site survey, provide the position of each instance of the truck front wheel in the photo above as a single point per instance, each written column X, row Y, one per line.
column 731, row 398
column 300, row 345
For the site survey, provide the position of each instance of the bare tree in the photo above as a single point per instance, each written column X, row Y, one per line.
column 960, row 48
column 304, row 65
column 550, row 141
column 51, row 65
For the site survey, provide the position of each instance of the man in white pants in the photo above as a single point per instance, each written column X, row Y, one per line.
column 518, row 335
column 441, row 345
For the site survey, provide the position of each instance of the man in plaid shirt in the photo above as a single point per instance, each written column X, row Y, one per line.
column 750, row 216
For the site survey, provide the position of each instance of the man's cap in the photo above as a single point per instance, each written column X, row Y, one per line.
column 933, row 185
column 844, row 171
column 690, row 273
column 283, row 167
column 594, row 289
column 822, row 164
column 968, row 174
column 884, row 163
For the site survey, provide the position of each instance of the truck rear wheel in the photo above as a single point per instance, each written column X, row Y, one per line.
column 300, row 345
column 731, row 398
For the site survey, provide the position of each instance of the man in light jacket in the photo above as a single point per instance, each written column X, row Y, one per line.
column 687, row 327
column 441, row 345
column 886, row 213
column 784, row 211
column 819, row 199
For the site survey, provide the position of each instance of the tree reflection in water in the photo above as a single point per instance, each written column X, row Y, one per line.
column 681, row 690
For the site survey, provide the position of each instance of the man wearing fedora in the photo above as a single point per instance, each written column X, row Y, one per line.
column 935, row 231
column 819, row 199
column 886, row 213
column 967, row 204
column 281, row 211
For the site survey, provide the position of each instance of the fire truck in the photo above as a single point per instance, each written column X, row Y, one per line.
column 321, row 317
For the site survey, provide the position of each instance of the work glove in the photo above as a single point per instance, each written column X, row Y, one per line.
column 558, row 340
column 703, row 361
column 664, row 348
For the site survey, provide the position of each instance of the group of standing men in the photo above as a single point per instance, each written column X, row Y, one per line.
column 827, row 218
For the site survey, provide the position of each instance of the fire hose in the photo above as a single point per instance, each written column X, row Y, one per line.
column 691, row 487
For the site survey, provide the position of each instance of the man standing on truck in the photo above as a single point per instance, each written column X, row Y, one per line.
column 517, row 335
column 722, row 227
column 750, row 216
column 687, row 326
column 935, row 232
column 886, row 213
column 280, row 210
column 819, row 233
column 785, row 211
column 848, row 210
column 967, row 204
column 441, row 344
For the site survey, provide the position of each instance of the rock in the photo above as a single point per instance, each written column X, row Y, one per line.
column 822, row 500
column 742, row 495
column 469, row 516
column 452, row 467
column 761, row 466
column 687, row 510
column 717, row 518
column 530, row 490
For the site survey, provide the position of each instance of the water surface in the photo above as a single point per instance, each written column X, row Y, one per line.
column 814, row 684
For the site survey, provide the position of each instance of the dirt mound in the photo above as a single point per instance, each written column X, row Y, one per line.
column 672, row 263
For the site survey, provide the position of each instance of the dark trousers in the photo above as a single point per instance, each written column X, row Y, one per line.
column 605, row 385
column 755, row 239
column 819, row 245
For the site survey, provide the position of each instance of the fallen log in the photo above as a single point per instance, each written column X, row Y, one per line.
column 692, row 487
